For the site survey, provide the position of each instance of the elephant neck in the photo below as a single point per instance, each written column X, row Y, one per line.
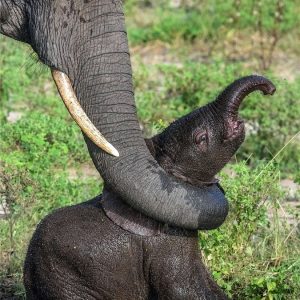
column 134, row 221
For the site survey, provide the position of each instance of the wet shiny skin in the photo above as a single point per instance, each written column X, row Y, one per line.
column 78, row 253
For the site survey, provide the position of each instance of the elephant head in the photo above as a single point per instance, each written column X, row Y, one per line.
column 84, row 42
column 197, row 146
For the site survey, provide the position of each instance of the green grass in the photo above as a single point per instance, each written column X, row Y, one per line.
column 255, row 254
column 208, row 20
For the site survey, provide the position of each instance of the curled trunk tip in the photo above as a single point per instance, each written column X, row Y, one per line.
column 232, row 97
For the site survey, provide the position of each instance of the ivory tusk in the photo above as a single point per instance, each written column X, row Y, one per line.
column 68, row 95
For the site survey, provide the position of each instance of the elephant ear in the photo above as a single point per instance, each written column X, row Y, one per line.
column 13, row 20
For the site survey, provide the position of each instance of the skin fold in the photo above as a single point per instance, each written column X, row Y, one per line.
column 105, row 249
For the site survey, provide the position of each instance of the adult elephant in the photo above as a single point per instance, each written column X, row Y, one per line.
column 84, row 42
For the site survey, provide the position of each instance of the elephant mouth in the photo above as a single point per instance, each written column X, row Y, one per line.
column 71, row 102
column 235, row 128
column 197, row 182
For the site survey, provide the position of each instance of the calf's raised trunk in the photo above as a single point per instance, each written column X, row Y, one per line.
column 231, row 98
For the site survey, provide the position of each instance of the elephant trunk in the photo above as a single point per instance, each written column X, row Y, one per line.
column 231, row 98
column 104, row 88
column 87, row 41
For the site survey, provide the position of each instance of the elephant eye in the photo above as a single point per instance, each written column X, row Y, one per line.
column 200, row 137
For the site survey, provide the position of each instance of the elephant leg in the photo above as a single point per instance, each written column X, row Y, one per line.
column 177, row 271
column 78, row 253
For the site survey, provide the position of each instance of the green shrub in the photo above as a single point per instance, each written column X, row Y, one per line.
column 277, row 122
column 42, row 141
column 254, row 255
column 36, row 153
column 209, row 20
column 31, row 195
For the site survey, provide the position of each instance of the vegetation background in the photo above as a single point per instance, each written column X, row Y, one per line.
column 183, row 52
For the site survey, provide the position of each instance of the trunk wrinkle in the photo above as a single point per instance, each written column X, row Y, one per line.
column 231, row 98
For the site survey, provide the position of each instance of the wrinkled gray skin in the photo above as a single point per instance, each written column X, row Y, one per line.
column 87, row 40
column 104, row 249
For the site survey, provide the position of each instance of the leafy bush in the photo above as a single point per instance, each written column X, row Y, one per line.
column 208, row 20
column 277, row 123
column 254, row 255
column 231, row 27
column 42, row 141
column 32, row 194
column 34, row 180
column 36, row 153
column 179, row 89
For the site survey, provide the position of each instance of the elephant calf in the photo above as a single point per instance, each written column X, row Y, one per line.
column 104, row 249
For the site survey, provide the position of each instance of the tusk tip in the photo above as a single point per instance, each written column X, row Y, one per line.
column 114, row 152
